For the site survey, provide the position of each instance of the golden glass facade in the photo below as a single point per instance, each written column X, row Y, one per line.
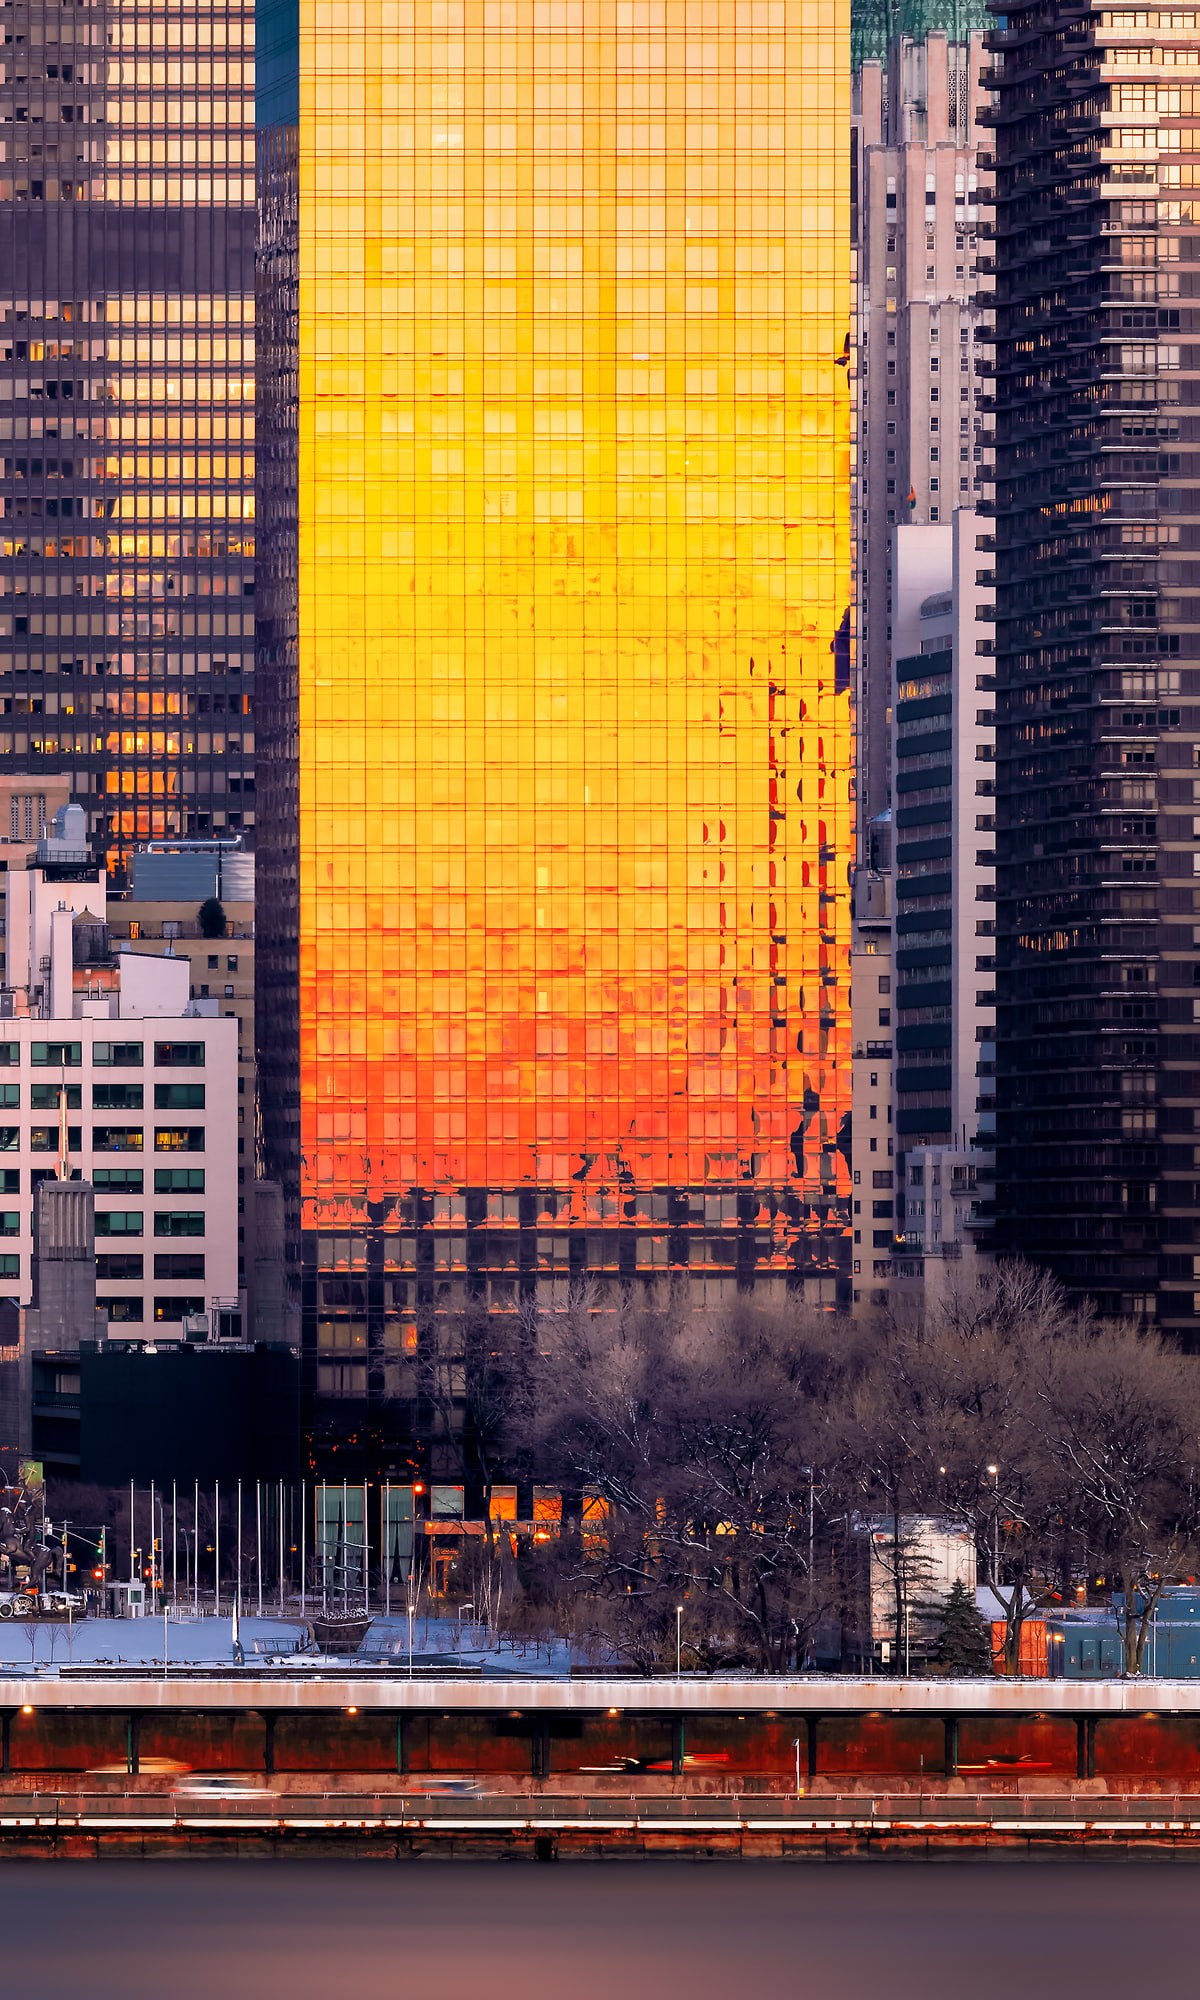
column 570, row 559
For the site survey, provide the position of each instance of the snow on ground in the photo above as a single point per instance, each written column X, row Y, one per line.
column 138, row 1641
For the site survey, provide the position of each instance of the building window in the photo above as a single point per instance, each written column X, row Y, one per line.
column 118, row 1180
column 56, row 1055
column 179, row 1055
column 115, row 1096
column 117, row 1055
column 342, row 1378
column 179, row 1264
column 178, row 1309
column 122, row 1311
column 116, row 1139
column 47, row 1096
column 118, row 1264
column 178, row 1138
column 179, row 1097
column 44, row 1138
column 179, row 1180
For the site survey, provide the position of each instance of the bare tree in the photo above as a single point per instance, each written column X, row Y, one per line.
column 713, row 1444
column 1121, row 1423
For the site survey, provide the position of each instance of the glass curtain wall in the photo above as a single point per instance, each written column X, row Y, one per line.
column 126, row 411
column 558, row 731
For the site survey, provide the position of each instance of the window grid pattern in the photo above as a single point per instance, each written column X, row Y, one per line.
column 126, row 411
column 558, row 564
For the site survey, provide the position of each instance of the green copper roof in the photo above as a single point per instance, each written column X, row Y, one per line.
column 874, row 22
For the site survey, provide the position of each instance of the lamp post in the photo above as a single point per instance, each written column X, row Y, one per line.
column 678, row 1641
column 994, row 1475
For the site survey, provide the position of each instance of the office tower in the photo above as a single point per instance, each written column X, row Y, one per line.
column 556, row 651
column 923, row 936
column 126, row 411
column 1096, row 647
column 922, row 950
column 876, row 26
column 923, row 448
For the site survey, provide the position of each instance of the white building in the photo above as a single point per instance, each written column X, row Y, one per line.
column 936, row 883
column 150, row 1082
column 911, row 1575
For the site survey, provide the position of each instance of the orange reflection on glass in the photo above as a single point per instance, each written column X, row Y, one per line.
column 574, row 464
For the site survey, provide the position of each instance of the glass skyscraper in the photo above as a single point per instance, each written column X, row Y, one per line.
column 126, row 411
column 554, row 653
column 1097, row 167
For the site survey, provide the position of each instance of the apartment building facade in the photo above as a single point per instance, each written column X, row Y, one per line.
column 110, row 1072
column 1096, row 161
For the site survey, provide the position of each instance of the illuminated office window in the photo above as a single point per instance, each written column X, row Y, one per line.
column 127, row 411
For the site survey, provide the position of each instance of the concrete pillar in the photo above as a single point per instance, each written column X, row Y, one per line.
column 811, row 1725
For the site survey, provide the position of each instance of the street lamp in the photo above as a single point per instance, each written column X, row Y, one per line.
column 678, row 1641
column 994, row 1475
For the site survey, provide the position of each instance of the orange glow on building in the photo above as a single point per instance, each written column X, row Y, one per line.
column 571, row 563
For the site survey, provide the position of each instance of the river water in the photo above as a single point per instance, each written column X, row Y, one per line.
column 261, row 1930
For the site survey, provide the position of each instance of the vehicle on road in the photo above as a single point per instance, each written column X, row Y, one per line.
column 219, row 1785
column 42, row 1604
column 422, row 1786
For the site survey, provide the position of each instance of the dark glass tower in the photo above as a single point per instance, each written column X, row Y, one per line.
column 1097, row 643
column 126, row 411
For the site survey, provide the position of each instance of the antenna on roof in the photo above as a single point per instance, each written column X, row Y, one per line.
column 64, row 1165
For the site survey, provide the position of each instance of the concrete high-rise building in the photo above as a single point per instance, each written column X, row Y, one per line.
column 111, row 1067
column 922, row 951
column 1097, row 162
column 126, row 411
column 923, row 439
column 556, row 652
column 924, row 936
column 877, row 24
